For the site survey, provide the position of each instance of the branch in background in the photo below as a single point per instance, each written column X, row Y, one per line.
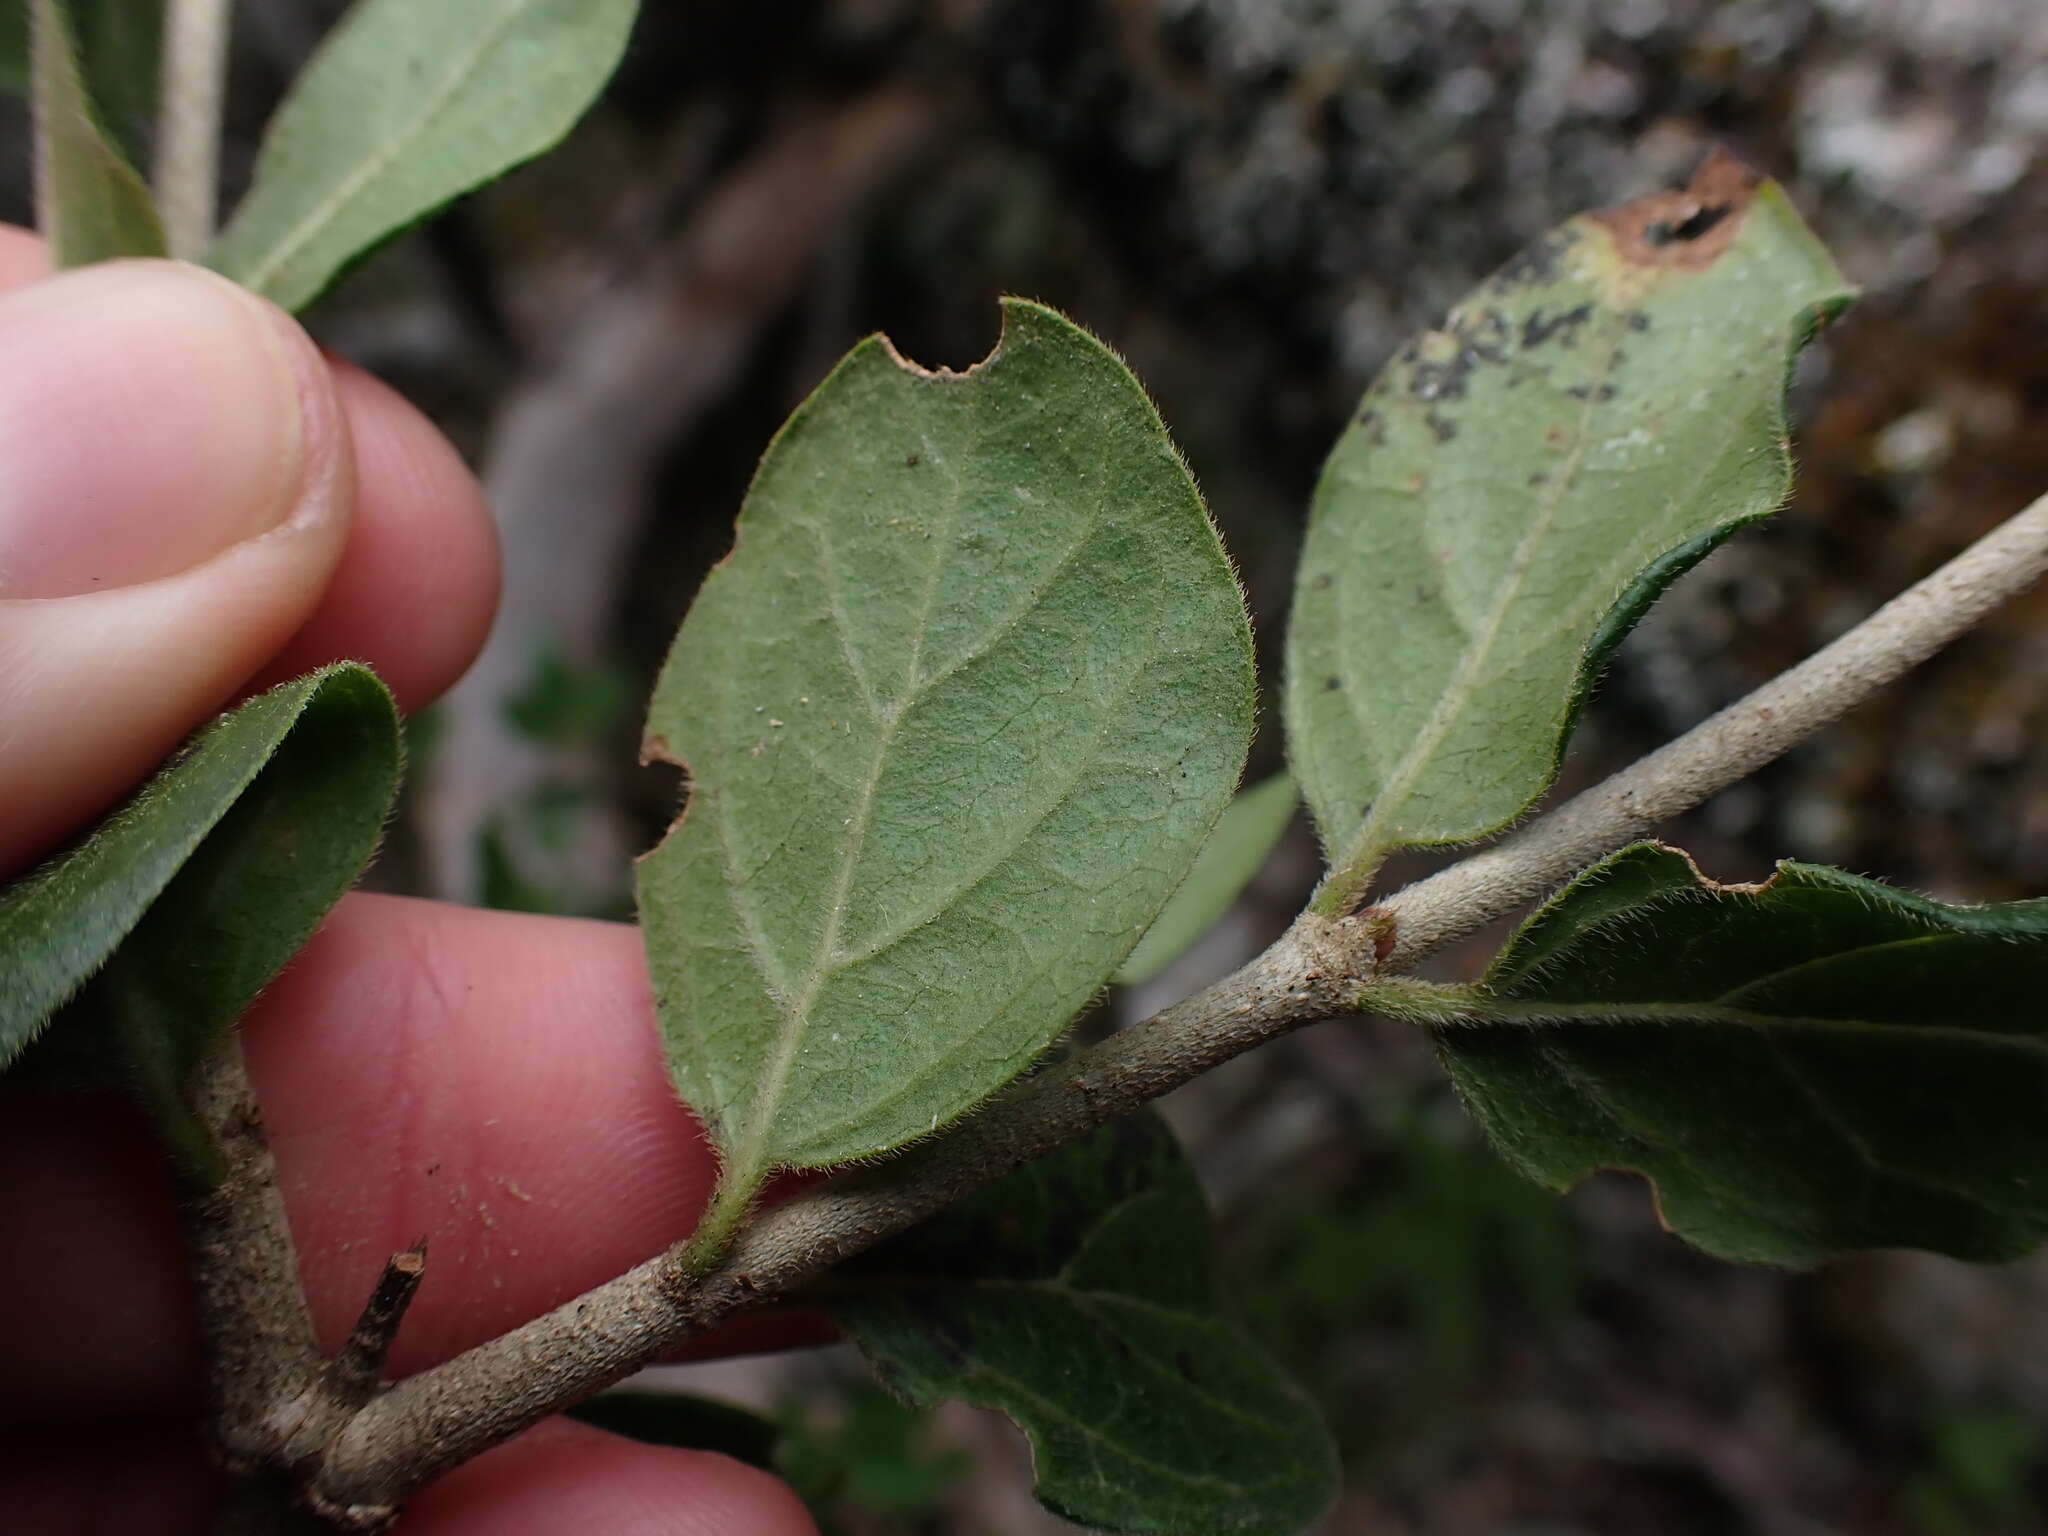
column 195, row 70
column 575, row 447
column 439, row 1418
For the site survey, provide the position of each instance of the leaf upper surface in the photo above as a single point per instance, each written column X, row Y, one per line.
column 90, row 204
column 1080, row 1296
column 214, row 873
column 1810, row 1066
column 1518, row 487
column 403, row 108
column 957, row 712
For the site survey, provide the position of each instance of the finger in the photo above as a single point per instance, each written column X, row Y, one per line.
column 490, row 1081
column 412, row 594
column 95, row 1261
column 418, row 582
column 559, row 1476
column 22, row 257
column 562, row 1476
column 139, row 1480
column 418, row 579
column 177, row 493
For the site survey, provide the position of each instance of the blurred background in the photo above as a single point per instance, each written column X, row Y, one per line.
column 1255, row 201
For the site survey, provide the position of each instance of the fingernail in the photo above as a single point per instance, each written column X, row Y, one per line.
column 152, row 415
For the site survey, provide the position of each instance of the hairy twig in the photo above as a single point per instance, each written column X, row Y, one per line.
column 190, row 98
column 1317, row 970
column 354, row 1375
column 277, row 1403
column 441, row 1417
column 261, row 1353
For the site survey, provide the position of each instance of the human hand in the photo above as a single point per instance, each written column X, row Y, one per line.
column 194, row 502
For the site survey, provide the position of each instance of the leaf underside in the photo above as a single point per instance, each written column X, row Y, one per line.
column 1519, row 486
column 209, row 879
column 1080, row 1297
column 1803, row 1068
column 1235, row 853
column 958, row 712
column 90, row 204
column 405, row 107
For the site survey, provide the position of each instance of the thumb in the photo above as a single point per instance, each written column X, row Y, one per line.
column 175, row 488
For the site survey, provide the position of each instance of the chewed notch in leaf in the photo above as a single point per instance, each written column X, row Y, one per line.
column 1812, row 1065
column 1518, row 487
column 958, row 711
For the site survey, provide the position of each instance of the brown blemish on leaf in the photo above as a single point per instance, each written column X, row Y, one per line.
column 1690, row 228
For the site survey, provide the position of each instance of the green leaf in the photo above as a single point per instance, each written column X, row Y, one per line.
column 1080, row 1297
column 568, row 703
column 14, row 71
column 1518, row 487
column 211, row 877
column 1236, row 851
column 90, row 204
column 120, row 53
column 1812, row 1065
column 858, row 1452
column 406, row 107
column 118, row 45
column 958, row 711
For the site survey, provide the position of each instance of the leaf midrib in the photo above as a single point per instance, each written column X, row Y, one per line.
column 330, row 208
column 1086, row 760
column 1372, row 838
column 749, row 1159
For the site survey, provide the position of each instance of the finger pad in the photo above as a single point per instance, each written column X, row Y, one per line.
column 23, row 258
column 487, row 1080
column 561, row 1476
